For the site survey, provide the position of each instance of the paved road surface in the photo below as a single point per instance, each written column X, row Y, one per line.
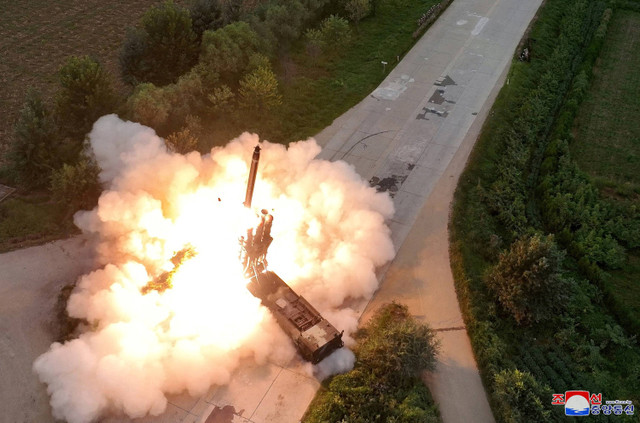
column 411, row 138
column 30, row 281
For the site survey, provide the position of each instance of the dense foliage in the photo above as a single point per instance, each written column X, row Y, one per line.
column 163, row 47
column 525, row 275
column 34, row 153
column 384, row 386
column 520, row 180
column 85, row 94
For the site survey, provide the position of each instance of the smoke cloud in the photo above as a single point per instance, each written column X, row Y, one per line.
column 329, row 236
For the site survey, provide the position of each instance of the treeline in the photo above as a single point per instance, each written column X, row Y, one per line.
column 212, row 60
column 536, row 315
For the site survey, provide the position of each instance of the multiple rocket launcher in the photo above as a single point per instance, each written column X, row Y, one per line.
column 314, row 337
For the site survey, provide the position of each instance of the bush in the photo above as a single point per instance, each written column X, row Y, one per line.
column 149, row 105
column 280, row 23
column 161, row 49
column 166, row 108
column 520, row 398
column 358, row 9
column 182, row 141
column 527, row 281
column 228, row 51
column 85, row 94
column 384, row 386
column 408, row 348
column 34, row 153
column 259, row 90
column 206, row 15
column 76, row 186
column 334, row 33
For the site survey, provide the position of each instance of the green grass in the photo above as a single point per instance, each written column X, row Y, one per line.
column 316, row 91
column 30, row 220
column 607, row 130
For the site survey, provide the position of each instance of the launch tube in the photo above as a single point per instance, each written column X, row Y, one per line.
column 253, row 172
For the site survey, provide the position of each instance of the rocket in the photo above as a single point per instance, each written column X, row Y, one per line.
column 253, row 172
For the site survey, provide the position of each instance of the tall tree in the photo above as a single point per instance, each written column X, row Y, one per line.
column 206, row 15
column 85, row 94
column 228, row 51
column 162, row 48
column 34, row 152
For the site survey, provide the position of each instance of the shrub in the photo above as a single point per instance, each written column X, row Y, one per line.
column 526, row 279
column 77, row 185
column 149, row 105
column 228, row 51
column 161, row 49
column 182, row 141
column 384, row 386
column 520, row 398
column 259, row 90
column 206, row 15
column 358, row 9
column 34, row 152
column 334, row 33
column 85, row 94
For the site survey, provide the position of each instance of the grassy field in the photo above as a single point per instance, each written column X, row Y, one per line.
column 607, row 144
column 27, row 220
column 607, row 130
column 36, row 36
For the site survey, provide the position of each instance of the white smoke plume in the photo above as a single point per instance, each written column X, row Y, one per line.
column 329, row 236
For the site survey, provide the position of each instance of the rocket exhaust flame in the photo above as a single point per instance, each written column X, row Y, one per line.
column 328, row 238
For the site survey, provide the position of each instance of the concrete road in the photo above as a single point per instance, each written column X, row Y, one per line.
column 411, row 138
column 30, row 281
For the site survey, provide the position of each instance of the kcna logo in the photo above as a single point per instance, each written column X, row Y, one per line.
column 580, row 403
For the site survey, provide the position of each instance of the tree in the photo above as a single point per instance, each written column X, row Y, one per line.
column 206, row 15
column 182, row 141
column 407, row 346
column 34, row 152
column 333, row 34
column 228, row 50
column 527, row 279
column 162, row 48
column 85, row 94
column 77, row 185
column 149, row 105
column 384, row 386
column 335, row 31
column 259, row 90
column 520, row 398
column 358, row 9
column 315, row 44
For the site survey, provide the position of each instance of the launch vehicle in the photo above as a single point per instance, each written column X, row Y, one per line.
column 314, row 337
